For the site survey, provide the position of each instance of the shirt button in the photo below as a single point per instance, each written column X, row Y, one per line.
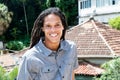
column 59, row 66
column 62, row 76
column 48, row 69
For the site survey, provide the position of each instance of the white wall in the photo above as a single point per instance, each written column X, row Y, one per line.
column 102, row 14
column 100, row 18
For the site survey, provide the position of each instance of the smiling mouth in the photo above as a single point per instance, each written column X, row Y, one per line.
column 53, row 35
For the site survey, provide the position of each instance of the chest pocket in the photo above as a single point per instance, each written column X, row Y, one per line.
column 49, row 72
column 48, row 69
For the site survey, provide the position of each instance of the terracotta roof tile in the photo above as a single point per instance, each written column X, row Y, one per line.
column 88, row 69
column 95, row 39
column 112, row 36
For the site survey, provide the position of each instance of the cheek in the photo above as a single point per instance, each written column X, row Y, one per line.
column 61, row 32
column 46, row 32
column 62, row 29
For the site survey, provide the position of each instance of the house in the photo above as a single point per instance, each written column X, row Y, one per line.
column 96, row 43
column 102, row 10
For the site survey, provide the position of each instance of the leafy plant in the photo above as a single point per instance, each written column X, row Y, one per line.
column 15, row 45
column 15, row 32
column 8, row 75
column 2, row 73
column 5, row 18
column 115, row 22
column 112, row 70
column 13, row 74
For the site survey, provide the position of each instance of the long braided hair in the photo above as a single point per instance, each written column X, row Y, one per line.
column 37, row 32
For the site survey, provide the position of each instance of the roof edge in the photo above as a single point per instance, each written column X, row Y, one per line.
column 102, row 37
column 96, row 56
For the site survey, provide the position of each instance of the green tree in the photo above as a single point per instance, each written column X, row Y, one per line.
column 26, row 20
column 50, row 3
column 112, row 70
column 69, row 7
column 115, row 22
column 5, row 18
column 31, row 8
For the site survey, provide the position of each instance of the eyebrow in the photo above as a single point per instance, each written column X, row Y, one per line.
column 56, row 23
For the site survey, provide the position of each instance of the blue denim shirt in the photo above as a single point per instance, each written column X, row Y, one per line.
column 41, row 63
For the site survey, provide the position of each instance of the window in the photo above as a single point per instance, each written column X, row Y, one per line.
column 100, row 3
column 109, row 2
column 85, row 4
column 113, row 2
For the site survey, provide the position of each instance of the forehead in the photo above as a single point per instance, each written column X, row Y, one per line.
column 52, row 18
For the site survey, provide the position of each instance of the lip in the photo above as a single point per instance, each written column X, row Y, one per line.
column 53, row 35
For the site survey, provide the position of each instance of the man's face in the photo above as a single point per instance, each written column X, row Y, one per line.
column 53, row 28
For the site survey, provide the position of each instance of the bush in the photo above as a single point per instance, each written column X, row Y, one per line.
column 8, row 75
column 13, row 74
column 25, row 39
column 2, row 73
column 112, row 70
column 15, row 45
column 115, row 22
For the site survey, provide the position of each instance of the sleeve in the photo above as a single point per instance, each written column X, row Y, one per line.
column 75, row 65
column 24, row 71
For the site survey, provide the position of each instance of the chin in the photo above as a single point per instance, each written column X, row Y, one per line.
column 55, row 41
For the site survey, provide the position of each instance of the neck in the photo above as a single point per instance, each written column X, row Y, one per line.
column 52, row 46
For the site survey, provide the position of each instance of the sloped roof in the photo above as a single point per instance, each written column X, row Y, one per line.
column 112, row 37
column 88, row 69
column 95, row 39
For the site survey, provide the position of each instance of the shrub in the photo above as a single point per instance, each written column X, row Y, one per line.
column 112, row 70
column 13, row 74
column 115, row 22
column 2, row 73
column 8, row 75
column 15, row 45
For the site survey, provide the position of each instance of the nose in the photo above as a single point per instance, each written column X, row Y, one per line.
column 53, row 29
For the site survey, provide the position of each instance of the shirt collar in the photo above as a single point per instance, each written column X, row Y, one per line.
column 47, row 51
column 44, row 49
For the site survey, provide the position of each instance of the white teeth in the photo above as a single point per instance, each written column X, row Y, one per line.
column 53, row 35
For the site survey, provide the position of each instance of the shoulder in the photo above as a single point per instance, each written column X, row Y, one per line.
column 69, row 42
column 30, row 52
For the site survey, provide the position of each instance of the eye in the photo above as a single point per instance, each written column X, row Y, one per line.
column 47, row 26
column 58, row 25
